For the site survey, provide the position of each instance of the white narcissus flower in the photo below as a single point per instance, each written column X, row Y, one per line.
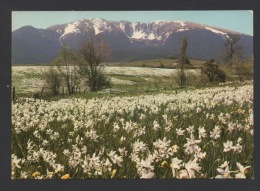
column 107, row 166
column 180, row 131
column 183, row 174
column 238, row 148
column 117, row 160
column 85, row 165
column 146, row 169
column 58, row 168
column 239, row 140
column 122, row 151
column 190, row 129
column 175, row 165
column 192, row 167
column 242, row 170
column 215, row 133
column 94, row 161
column 191, row 145
column 224, row 173
column 50, row 174
column 202, row 132
column 228, row 146
column 156, row 125
column 146, row 174
column 15, row 162
column 24, row 175
column 224, row 165
column 139, row 146
column 175, row 148
column 191, row 141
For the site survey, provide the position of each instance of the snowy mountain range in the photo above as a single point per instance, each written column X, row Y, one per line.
column 127, row 40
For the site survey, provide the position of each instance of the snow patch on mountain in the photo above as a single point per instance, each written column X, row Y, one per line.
column 59, row 31
column 158, row 22
column 138, row 35
column 151, row 36
column 179, row 30
column 70, row 28
column 181, row 23
column 97, row 30
column 100, row 25
column 215, row 31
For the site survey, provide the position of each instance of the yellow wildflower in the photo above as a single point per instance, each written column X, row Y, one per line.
column 36, row 174
column 113, row 174
column 65, row 177
column 164, row 164
column 241, row 111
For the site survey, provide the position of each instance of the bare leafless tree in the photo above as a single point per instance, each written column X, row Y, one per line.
column 232, row 49
column 53, row 80
column 67, row 64
column 94, row 52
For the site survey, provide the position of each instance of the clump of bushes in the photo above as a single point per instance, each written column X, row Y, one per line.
column 213, row 72
column 244, row 72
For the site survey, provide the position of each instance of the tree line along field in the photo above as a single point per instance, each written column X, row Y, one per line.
column 137, row 76
column 144, row 126
column 30, row 79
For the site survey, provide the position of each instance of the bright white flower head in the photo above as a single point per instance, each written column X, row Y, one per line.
column 202, row 132
column 180, row 131
column 58, row 168
column 215, row 133
column 117, row 160
column 15, row 162
column 242, row 170
column 156, row 125
column 190, row 129
column 146, row 174
column 224, row 171
column 228, row 146
column 192, row 167
column 139, row 146
column 175, row 165
column 224, row 165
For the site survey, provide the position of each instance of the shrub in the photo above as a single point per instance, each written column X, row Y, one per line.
column 99, row 82
column 213, row 72
column 53, row 80
column 244, row 72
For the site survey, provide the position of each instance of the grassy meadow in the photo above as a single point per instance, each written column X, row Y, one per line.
column 143, row 127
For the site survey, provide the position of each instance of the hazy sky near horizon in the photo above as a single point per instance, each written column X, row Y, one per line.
column 236, row 20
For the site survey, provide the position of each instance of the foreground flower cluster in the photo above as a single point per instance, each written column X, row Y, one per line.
column 204, row 133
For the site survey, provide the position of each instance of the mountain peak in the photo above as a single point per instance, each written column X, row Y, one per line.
column 128, row 40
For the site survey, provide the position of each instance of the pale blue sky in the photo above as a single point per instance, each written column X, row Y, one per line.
column 240, row 21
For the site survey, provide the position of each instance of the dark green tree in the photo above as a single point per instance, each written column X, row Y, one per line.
column 183, row 61
column 213, row 72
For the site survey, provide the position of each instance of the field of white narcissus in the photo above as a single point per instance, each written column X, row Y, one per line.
column 206, row 133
